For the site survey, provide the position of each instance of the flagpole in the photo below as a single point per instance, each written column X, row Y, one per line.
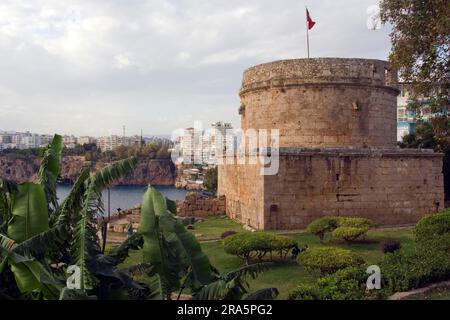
column 307, row 30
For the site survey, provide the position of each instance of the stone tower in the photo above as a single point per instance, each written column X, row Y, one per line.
column 338, row 156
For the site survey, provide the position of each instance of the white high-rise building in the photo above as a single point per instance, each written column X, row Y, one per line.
column 30, row 141
column 199, row 147
column 85, row 140
column 218, row 139
column 6, row 138
column 188, row 146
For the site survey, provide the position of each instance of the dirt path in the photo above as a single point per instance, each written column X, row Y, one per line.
column 403, row 295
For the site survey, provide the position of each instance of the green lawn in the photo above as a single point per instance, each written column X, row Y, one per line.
column 213, row 228
column 284, row 276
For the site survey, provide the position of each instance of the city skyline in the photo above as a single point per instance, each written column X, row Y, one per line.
column 87, row 68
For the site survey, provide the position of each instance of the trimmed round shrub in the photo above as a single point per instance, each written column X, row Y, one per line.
column 350, row 234
column 390, row 246
column 321, row 226
column 354, row 222
column 240, row 244
column 258, row 245
column 354, row 227
column 345, row 284
column 329, row 260
column 432, row 226
column 227, row 234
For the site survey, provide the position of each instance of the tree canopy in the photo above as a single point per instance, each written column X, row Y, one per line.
column 420, row 46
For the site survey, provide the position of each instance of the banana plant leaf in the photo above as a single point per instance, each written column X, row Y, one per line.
column 106, row 176
column 156, row 288
column 68, row 211
column 171, row 206
column 31, row 275
column 168, row 245
column 83, row 250
column 233, row 285
column 50, row 169
column 148, row 228
column 30, row 212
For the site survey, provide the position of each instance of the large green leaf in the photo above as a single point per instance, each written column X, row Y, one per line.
column 103, row 178
column 50, row 168
column 161, row 249
column 232, row 285
column 199, row 262
column 48, row 245
column 108, row 175
column 71, row 207
column 120, row 254
column 30, row 212
column 84, row 248
column 171, row 206
column 31, row 275
column 156, row 288
column 148, row 228
column 169, row 246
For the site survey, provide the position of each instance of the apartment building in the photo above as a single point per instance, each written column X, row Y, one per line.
column 203, row 147
column 405, row 117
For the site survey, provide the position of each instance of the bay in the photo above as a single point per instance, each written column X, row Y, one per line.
column 126, row 197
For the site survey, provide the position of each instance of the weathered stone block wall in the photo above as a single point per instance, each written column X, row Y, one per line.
column 244, row 189
column 196, row 205
column 323, row 102
column 389, row 187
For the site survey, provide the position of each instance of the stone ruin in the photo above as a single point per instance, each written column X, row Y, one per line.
column 198, row 205
column 338, row 155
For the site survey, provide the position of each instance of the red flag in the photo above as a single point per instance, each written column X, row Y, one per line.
column 310, row 21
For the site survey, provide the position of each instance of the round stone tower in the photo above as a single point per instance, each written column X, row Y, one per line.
column 324, row 102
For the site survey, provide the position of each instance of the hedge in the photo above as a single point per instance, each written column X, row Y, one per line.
column 400, row 271
column 258, row 245
column 328, row 260
column 404, row 271
column 345, row 284
column 428, row 262
column 432, row 226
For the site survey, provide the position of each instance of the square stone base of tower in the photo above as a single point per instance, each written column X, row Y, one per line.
column 389, row 186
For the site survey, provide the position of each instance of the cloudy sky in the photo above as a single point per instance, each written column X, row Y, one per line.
column 87, row 67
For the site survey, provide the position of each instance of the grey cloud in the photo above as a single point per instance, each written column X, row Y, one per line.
column 87, row 67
